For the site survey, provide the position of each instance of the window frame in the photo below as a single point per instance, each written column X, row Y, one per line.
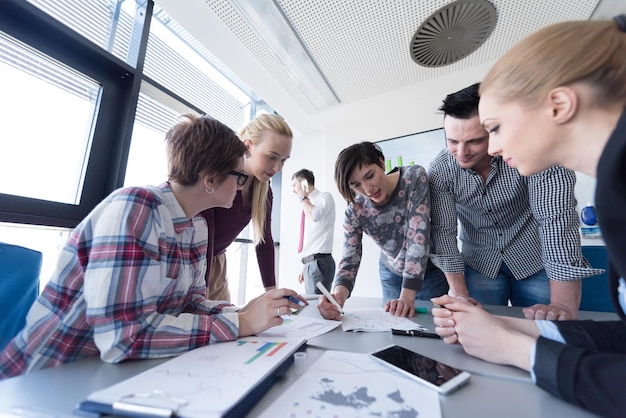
column 112, row 129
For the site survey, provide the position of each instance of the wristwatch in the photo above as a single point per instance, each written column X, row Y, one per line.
column 303, row 198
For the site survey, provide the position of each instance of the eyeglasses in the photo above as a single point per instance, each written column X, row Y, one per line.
column 241, row 177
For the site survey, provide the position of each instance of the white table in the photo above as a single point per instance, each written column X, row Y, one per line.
column 493, row 391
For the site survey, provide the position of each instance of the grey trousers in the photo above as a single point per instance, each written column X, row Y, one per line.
column 319, row 270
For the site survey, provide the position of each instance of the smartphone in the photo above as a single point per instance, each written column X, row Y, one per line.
column 432, row 373
column 305, row 185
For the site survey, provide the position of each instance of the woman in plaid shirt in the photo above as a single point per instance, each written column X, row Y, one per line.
column 129, row 283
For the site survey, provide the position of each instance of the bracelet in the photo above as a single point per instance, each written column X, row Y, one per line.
column 303, row 198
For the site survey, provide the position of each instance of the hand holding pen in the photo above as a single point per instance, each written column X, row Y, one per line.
column 266, row 310
column 330, row 305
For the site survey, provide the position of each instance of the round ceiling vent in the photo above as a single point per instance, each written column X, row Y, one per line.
column 453, row 32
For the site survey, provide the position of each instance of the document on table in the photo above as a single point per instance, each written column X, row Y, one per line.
column 344, row 384
column 295, row 326
column 217, row 380
column 375, row 320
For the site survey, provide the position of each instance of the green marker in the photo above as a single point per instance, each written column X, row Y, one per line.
column 419, row 309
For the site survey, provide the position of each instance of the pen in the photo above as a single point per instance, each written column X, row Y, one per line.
column 330, row 297
column 415, row 333
column 295, row 300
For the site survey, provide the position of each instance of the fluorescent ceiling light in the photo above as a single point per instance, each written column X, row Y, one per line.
column 272, row 27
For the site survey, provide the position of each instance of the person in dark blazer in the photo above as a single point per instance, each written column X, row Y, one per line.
column 557, row 98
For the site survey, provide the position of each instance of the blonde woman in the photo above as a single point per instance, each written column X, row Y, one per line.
column 556, row 98
column 268, row 139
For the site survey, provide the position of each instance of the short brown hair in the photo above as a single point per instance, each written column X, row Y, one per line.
column 357, row 155
column 200, row 145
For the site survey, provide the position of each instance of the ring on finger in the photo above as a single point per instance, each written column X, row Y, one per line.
column 278, row 312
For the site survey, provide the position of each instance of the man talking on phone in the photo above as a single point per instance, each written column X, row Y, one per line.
column 317, row 227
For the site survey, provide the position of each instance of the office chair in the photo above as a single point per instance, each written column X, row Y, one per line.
column 19, row 287
column 596, row 296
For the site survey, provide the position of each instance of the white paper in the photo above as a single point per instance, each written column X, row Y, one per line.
column 375, row 320
column 306, row 327
column 343, row 384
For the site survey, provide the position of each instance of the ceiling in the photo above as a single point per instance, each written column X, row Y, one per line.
column 361, row 47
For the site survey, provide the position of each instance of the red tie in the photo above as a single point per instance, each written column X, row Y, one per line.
column 301, row 242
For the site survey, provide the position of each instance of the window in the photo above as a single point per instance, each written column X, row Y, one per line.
column 176, row 62
column 90, row 87
column 54, row 139
column 147, row 163
column 90, row 95
column 114, row 25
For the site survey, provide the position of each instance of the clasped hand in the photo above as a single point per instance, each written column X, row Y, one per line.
column 489, row 337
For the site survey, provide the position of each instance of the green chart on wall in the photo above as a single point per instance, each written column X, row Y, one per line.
column 419, row 148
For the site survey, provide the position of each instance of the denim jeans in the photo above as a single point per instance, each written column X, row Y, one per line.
column 435, row 283
column 504, row 288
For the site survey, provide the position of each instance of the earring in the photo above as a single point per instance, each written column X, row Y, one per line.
column 209, row 192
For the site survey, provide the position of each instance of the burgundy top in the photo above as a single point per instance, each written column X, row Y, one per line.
column 226, row 224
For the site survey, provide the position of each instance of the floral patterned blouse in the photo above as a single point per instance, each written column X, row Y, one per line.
column 400, row 228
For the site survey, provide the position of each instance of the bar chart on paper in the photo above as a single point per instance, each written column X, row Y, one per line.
column 261, row 349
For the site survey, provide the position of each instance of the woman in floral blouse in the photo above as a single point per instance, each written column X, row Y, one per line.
column 394, row 210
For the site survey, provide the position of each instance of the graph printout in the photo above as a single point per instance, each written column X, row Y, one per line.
column 207, row 381
column 343, row 384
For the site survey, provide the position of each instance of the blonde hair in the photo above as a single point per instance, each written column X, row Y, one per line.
column 591, row 51
column 253, row 132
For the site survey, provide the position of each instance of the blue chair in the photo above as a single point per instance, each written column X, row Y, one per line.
column 19, row 287
column 596, row 296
